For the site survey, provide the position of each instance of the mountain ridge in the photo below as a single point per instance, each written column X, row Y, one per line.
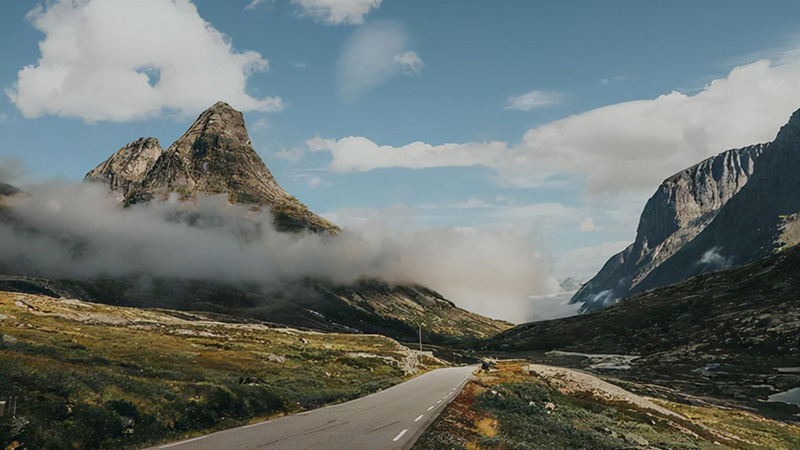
column 215, row 156
column 682, row 206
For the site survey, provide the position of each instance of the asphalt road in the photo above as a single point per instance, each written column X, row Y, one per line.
column 390, row 419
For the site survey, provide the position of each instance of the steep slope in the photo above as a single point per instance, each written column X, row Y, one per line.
column 127, row 166
column 722, row 334
column 215, row 156
column 681, row 208
column 755, row 223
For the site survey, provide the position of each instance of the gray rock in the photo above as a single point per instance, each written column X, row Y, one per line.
column 681, row 208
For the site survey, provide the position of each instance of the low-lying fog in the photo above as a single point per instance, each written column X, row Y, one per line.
column 69, row 230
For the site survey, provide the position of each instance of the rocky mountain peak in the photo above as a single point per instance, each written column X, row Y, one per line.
column 215, row 156
column 127, row 166
column 681, row 208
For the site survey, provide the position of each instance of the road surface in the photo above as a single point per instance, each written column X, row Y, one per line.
column 390, row 419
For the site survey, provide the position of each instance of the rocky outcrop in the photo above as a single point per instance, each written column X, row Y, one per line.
column 127, row 167
column 681, row 208
column 215, row 156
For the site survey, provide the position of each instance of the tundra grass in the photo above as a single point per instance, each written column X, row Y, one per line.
column 96, row 376
column 509, row 409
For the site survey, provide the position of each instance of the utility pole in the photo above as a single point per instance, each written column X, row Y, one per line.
column 420, row 337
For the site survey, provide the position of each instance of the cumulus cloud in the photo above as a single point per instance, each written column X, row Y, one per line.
column 119, row 60
column 361, row 154
column 635, row 145
column 373, row 55
column 534, row 100
column 625, row 147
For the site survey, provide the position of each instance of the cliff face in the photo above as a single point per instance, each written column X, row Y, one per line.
column 215, row 156
column 681, row 208
column 127, row 166
column 755, row 223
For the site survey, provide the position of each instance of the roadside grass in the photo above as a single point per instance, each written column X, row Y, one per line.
column 509, row 409
column 98, row 376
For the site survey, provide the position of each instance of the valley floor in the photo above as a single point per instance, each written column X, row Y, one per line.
column 87, row 375
column 519, row 405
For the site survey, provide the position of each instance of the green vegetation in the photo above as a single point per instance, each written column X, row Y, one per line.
column 509, row 409
column 98, row 376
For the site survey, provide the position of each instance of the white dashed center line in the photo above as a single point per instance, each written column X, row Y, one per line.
column 397, row 438
column 432, row 406
column 420, row 417
column 183, row 442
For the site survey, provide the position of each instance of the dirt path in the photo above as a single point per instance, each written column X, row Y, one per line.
column 571, row 381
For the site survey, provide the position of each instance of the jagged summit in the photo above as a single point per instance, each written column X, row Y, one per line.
column 215, row 156
column 127, row 166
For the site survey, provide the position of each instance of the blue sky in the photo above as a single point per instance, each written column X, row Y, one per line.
column 563, row 116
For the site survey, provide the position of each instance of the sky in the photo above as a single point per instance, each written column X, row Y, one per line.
column 552, row 122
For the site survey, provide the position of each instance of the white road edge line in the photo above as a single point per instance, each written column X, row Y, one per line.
column 397, row 438
column 420, row 417
column 432, row 406
column 183, row 442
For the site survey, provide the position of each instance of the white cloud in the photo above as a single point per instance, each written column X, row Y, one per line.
column 410, row 62
column 337, row 12
column 256, row 3
column 317, row 144
column 587, row 224
column 123, row 60
column 635, row 145
column 534, row 100
column 361, row 154
column 373, row 55
column 626, row 147
column 292, row 154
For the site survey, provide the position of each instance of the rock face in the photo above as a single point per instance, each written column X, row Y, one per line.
column 683, row 206
column 215, row 156
column 754, row 224
column 127, row 167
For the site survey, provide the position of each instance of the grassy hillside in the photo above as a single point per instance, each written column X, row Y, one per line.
column 516, row 408
column 97, row 376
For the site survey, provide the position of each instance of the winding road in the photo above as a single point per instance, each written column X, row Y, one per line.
column 390, row 419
